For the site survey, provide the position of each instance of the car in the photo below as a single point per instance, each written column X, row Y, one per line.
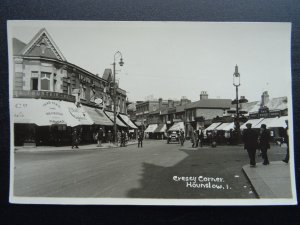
column 173, row 136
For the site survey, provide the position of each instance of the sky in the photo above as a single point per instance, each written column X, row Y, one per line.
column 175, row 59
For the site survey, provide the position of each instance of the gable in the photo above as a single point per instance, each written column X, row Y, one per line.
column 42, row 45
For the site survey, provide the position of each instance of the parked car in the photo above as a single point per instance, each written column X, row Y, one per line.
column 173, row 136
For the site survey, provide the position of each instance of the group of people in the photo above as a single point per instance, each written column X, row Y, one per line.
column 197, row 138
column 253, row 141
column 99, row 136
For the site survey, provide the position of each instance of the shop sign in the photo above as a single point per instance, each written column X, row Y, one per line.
column 43, row 95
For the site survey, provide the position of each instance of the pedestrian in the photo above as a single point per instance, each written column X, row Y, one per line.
column 181, row 136
column 123, row 138
column 250, row 143
column 140, row 138
column 109, row 137
column 118, row 140
column 99, row 137
column 75, row 139
column 197, row 138
column 201, row 137
column 193, row 139
column 264, row 143
column 286, row 140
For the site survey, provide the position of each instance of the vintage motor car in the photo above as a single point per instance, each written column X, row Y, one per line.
column 173, row 136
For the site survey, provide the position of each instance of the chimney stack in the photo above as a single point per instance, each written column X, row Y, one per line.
column 203, row 95
column 264, row 98
column 160, row 103
column 170, row 103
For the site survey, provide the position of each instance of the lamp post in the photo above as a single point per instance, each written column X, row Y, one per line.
column 236, row 83
column 121, row 63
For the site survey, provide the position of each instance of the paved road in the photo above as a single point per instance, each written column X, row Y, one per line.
column 150, row 172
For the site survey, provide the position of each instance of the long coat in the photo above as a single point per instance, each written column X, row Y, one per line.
column 250, row 139
column 264, row 140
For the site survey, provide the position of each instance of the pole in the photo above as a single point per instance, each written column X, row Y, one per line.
column 237, row 115
column 114, row 99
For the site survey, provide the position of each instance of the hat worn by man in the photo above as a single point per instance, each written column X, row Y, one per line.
column 249, row 125
column 263, row 126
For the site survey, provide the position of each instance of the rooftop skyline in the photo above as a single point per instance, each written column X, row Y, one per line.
column 175, row 59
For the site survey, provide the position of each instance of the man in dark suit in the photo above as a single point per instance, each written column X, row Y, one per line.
column 250, row 143
column 140, row 138
column 286, row 140
column 264, row 143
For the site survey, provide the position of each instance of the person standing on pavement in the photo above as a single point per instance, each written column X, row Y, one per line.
column 123, row 138
column 201, row 137
column 75, row 138
column 140, row 138
column 286, row 140
column 264, row 143
column 250, row 143
column 109, row 137
column 181, row 136
column 99, row 137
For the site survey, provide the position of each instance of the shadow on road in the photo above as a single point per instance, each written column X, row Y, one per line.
column 158, row 181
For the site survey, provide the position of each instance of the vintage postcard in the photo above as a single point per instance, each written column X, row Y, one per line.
column 151, row 113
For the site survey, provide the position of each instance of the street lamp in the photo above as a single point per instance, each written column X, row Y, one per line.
column 236, row 83
column 121, row 63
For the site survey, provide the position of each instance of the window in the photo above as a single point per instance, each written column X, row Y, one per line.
column 82, row 91
column 54, row 85
column 34, row 84
column 45, row 81
column 69, row 91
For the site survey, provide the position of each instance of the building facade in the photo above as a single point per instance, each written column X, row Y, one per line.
column 41, row 72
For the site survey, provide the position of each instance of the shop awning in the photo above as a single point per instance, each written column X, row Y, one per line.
column 118, row 121
column 222, row 126
column 177, row 126
column 229, row 126
column 151, row 128
column 213, row 126
column 128, row 121
column 38, row 111
column 254, row 122
column 97, row 116
column 75, row 116
column 161, row 128
column 273, row 122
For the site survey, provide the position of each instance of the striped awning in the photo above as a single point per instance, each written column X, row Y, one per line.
column 128, row 121
column 118, row 121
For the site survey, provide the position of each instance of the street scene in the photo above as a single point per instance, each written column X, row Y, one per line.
column 152, row 111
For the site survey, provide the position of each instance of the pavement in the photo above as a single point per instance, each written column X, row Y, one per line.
column 68, row 148
column 270, row 181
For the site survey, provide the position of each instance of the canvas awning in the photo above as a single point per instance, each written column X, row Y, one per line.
column 229, row 126
column 38, row 111
column 118, row 121
column 97, row 116
column 177, row 126
column 161, row 128
column 127, row 121
column 273, row 122
column 254, row 122
column 212, row 126
column 75, row 116
column 222, row 126
column 151, row 128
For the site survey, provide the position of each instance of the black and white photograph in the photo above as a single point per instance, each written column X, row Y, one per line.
column 151, row 113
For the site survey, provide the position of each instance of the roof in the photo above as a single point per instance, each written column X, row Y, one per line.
column 18, row 46
column 33, row 47
column 180, row 108
column 210, row 103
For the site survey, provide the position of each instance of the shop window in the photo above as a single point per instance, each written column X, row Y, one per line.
column 34, row 84
column 45, row 81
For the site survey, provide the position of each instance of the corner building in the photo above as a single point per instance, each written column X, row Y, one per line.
column 52, row 96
